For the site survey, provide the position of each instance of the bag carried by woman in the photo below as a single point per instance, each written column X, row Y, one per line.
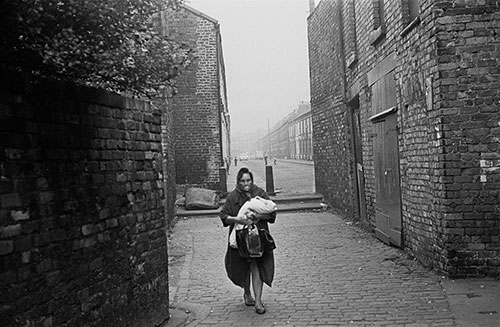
column 253, row 242
column 256, row 204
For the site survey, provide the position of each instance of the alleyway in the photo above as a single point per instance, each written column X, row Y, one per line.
column 328, row 272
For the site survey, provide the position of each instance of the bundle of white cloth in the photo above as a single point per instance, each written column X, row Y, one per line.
column 257, row 205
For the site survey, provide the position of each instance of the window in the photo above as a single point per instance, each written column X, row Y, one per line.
column 378, row 21
column 350, row 34
column 378, row 14
column 414, row 10
column 411, row 15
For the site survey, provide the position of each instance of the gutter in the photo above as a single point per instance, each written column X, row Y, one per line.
column 219, row 100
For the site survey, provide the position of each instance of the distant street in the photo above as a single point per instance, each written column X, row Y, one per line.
column 290, row 176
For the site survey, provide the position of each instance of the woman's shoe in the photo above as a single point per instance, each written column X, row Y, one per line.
column 260, row 309
column 249, row 301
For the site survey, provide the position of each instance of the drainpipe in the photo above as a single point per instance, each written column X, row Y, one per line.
column 222, row 166
column 219, row 100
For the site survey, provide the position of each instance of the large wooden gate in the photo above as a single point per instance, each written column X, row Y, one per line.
column 387, row 222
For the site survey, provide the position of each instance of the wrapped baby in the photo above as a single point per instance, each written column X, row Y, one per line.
column 256, row 205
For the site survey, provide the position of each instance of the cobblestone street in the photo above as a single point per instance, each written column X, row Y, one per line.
column 328, row 272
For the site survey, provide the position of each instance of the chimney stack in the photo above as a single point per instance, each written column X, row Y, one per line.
column 312, row 5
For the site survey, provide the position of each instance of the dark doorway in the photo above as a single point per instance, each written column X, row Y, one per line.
column 358, row 159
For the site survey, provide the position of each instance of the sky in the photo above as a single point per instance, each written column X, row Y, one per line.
column 266, row 57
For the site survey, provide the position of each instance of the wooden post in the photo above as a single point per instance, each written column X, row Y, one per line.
column 223, row 179
column 269, row 180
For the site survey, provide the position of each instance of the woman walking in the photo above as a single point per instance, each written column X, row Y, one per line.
column 244, row 271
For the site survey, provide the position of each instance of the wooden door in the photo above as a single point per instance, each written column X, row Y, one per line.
column 387, row 222
column 387, row 188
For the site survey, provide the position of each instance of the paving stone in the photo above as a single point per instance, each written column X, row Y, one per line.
column 328, row 272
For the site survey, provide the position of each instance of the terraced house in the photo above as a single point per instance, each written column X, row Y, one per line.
column 406, row 124
column 201, row 115
column 291, row 137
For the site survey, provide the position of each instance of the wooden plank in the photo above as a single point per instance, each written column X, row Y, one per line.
column 390, row 90
column 353, row 91
column 380, row 70
column 383, row 113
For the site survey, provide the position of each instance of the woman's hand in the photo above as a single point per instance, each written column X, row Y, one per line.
column 253, row 217
column 243, row 220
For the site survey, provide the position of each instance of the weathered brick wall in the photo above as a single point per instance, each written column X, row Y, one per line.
column 467, row 95
column 82, row 222
column 331, row 150
column 197, row 103
column 419, row 155
column 356, row 74
column 168, row 150
column 369, row 54
column 448, row 121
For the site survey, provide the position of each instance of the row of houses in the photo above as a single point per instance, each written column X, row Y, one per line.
column 291, row 137
column 406, row 124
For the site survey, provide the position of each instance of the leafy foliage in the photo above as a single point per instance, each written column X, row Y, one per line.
column 111, row 44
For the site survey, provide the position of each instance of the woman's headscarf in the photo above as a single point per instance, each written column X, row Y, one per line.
column 240, row 188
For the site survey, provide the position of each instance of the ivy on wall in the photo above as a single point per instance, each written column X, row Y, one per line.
column 110, row 44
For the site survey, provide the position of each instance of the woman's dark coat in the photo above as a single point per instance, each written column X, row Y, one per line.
column 238, row 267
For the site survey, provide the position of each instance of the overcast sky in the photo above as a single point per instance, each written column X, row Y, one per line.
column 265, row 53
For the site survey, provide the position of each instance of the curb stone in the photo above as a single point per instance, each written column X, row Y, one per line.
column 178, row 317
column 186, row 315
column 474, row 302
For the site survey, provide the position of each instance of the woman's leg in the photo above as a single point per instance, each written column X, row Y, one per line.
column 247, row 295
column 257, row 287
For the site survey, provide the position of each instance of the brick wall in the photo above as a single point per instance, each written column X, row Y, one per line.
column 168, row 149
column 419, row 155
column 332, row 155
column 82, row 220
column 369, row 53
column 197, row 104
column 448, row 120
column 467, row 94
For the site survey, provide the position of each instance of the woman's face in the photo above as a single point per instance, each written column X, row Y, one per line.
column 246, row 182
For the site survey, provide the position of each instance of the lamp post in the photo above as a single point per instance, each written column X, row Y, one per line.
column 269, row 137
